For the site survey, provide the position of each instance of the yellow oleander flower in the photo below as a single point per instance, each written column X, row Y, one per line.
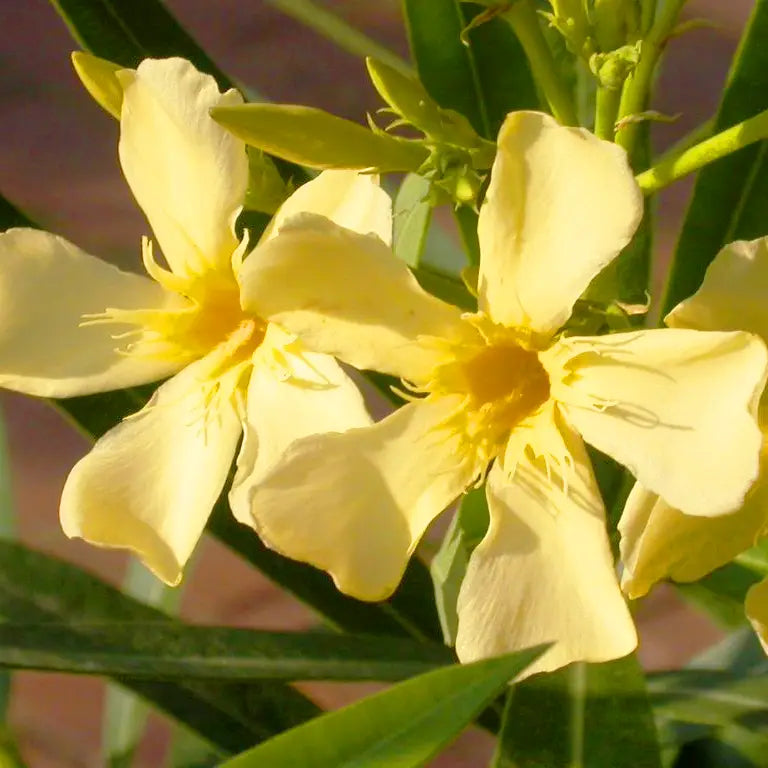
column 658, row 540
column 500, row 391
column 71, row 324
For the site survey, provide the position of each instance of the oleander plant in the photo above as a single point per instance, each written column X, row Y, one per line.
column 413, row 370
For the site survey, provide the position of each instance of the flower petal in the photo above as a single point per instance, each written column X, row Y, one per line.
column 356, row 504
column 47, row 284
column 292, row 394
column 544, row 571
column 560, row 206
column 186, row 172
column 733, row 294
column 150, row 483
column 659, row 542
column 756, row 607
column 348, row 198
column 675, row 406
column 347, row 295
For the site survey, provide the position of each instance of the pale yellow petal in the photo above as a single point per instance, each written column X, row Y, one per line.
column 659, row 542
column 756, row 607
column 733, row 294
column 544, row 571
column 348, row 198
column 347, row 295
column 356, row 504
column 150, row 483
column 47, row 284
column 675, row 406
column 186, row 172
column 560, row 206
column 292, row 393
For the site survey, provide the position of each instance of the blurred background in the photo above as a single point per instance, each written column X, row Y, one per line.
column 58, row 162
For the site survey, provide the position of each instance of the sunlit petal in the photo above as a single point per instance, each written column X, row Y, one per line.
column 356, row 504
column 347, row 295
column 544, row 571
column 676, row 407
column 659, row 542
column 46, row 286
column 292, row 393
column 150, row 483
column 733, row 294
column 348, row 198
column 561, row 205
column 186, row 172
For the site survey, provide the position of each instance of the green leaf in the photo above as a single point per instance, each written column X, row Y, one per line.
column 37, row 589
column 127, row 31
column 125, row 714
column 318, row 139
column 583, row 716
column 449, row 564
column 483, row 80
column 721, row 593
column 708, row 696
column 403, row 727
column 730, row 196
column 412, row 214
column 734, row 746
column 178, row 652
column 8, row 532
column 445, row 287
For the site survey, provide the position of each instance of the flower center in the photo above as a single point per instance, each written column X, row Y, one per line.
column 508, row 373
column 497, row 382
column 201, row 317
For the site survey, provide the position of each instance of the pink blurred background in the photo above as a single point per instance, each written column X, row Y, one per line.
column 58, row 162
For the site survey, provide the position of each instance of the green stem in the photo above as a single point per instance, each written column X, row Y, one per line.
column 606, row 109
column 638, row 84
column 647, row 15
column 709, row 150
column 697, row 135
column 524, row 20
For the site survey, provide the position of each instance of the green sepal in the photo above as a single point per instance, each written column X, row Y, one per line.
column 99, row 77
column 409, row 99
column 318, row 139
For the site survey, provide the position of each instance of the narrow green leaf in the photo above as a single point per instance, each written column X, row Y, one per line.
column 707, row 696
column 178, row 652
column 412, row 214
column 7, row 532
column 318, row 139
column 38, row 589
column 125, row 714
column 483, row 80
column 127, row 31
column 449, row 565
column 445, row 287
column 403, row 727
column 583, row 716
column 721, row 593
column 731, row 196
